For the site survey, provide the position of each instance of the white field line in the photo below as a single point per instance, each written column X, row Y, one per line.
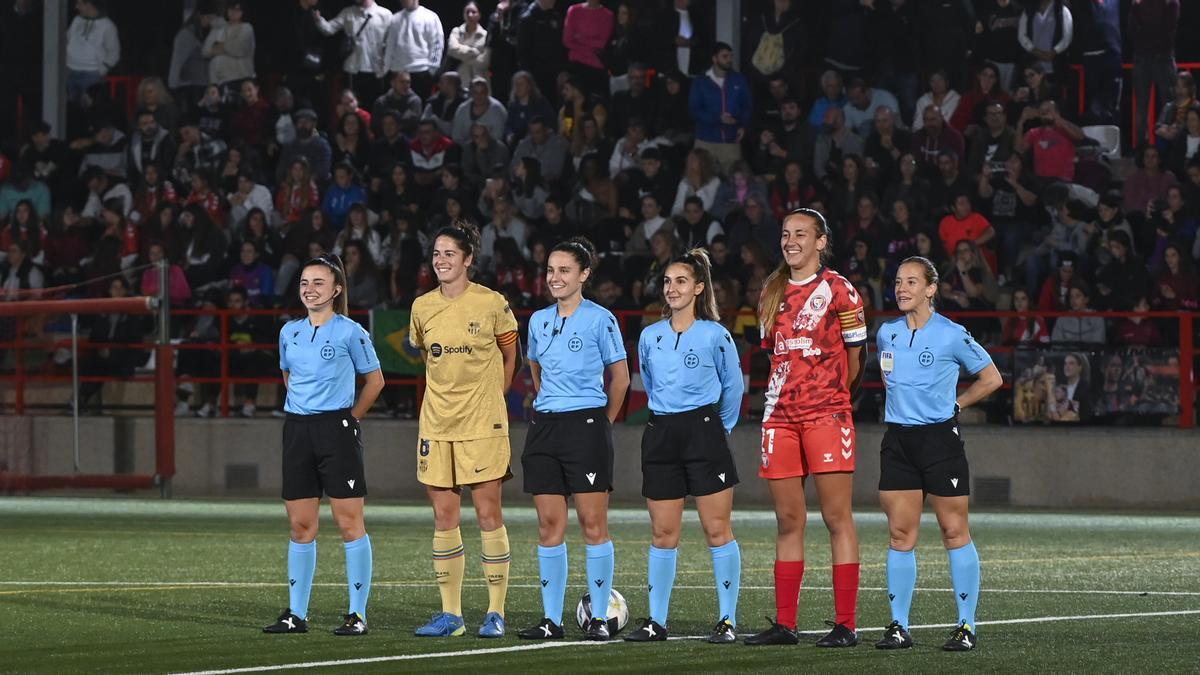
column 552, row 645
column 422, row 584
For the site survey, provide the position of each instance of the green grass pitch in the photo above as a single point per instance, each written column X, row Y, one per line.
column 147, row 586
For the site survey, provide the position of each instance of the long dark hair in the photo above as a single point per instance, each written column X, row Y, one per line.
column 334, row 264
column 465, row 235
column 700, row 267
column 776, row 284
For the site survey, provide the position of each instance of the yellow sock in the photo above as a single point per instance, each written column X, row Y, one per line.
column 448, row 566
column 496, row 558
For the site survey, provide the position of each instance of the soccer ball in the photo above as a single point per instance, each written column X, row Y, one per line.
column 618, row 612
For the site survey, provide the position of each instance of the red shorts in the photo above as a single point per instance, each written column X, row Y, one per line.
column 824, row 445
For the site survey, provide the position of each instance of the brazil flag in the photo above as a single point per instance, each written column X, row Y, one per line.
column 389, row 331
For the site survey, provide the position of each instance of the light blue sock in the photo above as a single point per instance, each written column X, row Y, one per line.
column 358, row 573
column 964, row 577
column 901, row 580
column 599, row 574
column 302, row 564
column 552, row 566
column 727, row 574
column 660, row 580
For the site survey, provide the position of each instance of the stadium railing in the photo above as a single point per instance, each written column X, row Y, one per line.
column 631, row 321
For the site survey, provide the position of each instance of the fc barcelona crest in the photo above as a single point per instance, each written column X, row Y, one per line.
column 473, row 328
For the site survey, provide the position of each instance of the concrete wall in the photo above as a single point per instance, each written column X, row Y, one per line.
column 1043, row 467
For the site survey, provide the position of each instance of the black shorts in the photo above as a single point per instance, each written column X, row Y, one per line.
column 931, row 458
column 686, row 454
column 568, row 453
column 323, row 453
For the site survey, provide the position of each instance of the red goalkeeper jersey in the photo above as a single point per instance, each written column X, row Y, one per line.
column 817, row 320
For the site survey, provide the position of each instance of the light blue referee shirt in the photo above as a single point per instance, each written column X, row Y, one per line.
column 920, row 368
column 688, row 370
column 573, row 353
column 321, row 362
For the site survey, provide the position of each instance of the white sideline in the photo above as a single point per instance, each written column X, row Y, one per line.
column 552, row 645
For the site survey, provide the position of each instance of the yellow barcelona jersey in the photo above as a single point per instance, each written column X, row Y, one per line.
column 464, row 369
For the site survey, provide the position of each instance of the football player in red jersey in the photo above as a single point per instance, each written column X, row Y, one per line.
column 813, row 323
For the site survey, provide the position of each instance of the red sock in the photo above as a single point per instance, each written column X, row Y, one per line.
column 845, row 593
column 788, row 575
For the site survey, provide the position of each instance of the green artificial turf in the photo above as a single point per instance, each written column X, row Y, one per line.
column 147, row 586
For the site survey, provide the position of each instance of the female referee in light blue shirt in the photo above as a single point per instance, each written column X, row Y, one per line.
column 568, row 447
column 689, row 367
column 322, row 441
column 920, row 355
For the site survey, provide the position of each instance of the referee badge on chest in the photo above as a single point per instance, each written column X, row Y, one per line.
column 887, row 362
column 327, row 352
column 926, row 358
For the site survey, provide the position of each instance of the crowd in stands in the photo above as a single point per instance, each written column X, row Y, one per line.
column 944, row 129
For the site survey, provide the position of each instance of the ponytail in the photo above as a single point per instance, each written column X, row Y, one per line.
column 697, row 261
column 776, row 284
column 580, row 248
column 929, row 270
column 465, row 235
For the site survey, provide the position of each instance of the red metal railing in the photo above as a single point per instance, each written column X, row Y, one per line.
column 21, row 376
column 1152, row 108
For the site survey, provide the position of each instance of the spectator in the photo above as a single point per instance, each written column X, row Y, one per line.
column 884, row 147
column 283, row 127
column 25, row 226
column 834, row 143
column 213, row 116
column 964, row 223
column 695, row 227
column 897, row 244
column 359, row 229
column 524, row 103
column 549, row 148
column 1078, row 329
column 504, row 224
column 790, row 190
column 720, row 105
column 993, row 143
column 934, row 138
column 248, row 329
column 627, row 151
column 987, row 90
column 1123, row 278
column 940, row 96
column 445, row 102
column 363, row 276
column 947, row 186
column 1024, row 329
column 1171, row 221
column 250, row 125
column 162, row 227
column 482, row 155
column 1052, row 145
column 1186, row 146
column 204, row 253
column 345, row 192
column 911, row 187
column 153, row 96
column 1138, row 331
column 364, row 27
column 850, row 184
column 754, row 226
column 631, row 43
column 578, row 103
column 968, row 284
column 588, row 142
column 230, row 49
column 1010, row 199
column 647, row 293
column 1109, row 219
column 652, row 176
column 188, row 71
column 114, row 362
column 152, row 145
column 862, row 102
column 152, row 193
column 350, row 145
column 788, row 141
column 414, row 43
column 636, row 101
column 1055, row 295
column 928, row 248
column 586, row 31
column 540, row 47
column 832, row 96
column 999, row 43
column 93, row 49
column 481, row 108
column 250, row 196
column 401, row 100
column 49, row 160
column 1035, row 90
column 1172, row 120
column 1148, row 183
column 467, row 51
column 388, row 148
column 297, row 194
column 529, row 189
column 699, row 179
column 265, row 239
column 866, row 225
column 310, row 145
column 206, row 197
column 396, row 197
column 22, row 187
column 1153, row 25
column 104, row 147
column 1045, row 34
column 1175, row 288
column 252, row 275
column 298, row 244
column 431, row 151
column 101, row 190
column 651, row 223
column 1098, row 29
